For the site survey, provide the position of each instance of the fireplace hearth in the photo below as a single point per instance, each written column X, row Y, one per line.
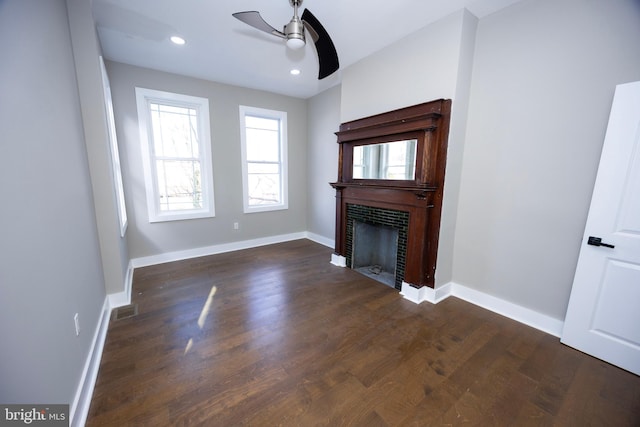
column 390, row 182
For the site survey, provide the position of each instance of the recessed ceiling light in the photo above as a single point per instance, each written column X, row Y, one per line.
column 295, row 72
column 178, row 40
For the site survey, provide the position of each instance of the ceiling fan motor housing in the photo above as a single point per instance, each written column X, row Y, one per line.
column 295, row 33
column 294, row 30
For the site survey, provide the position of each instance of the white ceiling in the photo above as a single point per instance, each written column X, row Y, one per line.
column 220, row 48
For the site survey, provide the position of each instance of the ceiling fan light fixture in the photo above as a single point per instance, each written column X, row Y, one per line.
column 295, row 43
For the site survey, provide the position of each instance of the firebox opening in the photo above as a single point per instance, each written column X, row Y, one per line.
column 375, row 251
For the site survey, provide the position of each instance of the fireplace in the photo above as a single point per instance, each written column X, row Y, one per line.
column 375, row 251
column 376, row 243
column 389, row 188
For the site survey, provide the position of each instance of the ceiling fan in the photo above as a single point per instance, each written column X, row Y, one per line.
column 294, row 34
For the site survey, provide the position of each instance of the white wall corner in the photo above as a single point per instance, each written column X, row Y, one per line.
column 425, row 293
column 338, row 260
column 80, row 406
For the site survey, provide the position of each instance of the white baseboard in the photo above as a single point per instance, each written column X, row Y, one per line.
column 79, row 409
column 214, row 249
column 338, row 260
column 418, row 295
column 330, row 243
column 511, row 310
column 505, row 308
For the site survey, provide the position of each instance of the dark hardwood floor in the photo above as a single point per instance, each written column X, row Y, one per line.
column 277, row 336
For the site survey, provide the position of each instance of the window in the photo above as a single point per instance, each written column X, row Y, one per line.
column 115, row 155
column 264, row 159
column 176, row 155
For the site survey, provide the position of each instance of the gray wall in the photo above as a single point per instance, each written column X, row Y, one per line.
column 324, row 120
column 456, row 145
column 434, row 62
column 86, row 53
column 419, row 68
column 145, row 239
column 543, row 81
column 49, row 253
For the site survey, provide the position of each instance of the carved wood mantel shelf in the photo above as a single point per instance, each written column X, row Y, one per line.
column 420, row 197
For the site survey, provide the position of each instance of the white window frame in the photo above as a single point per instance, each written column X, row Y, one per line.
column 284, row 183
column 116, row 170
column 143, row 99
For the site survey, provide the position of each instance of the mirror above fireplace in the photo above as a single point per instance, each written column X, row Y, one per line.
column 394, row 160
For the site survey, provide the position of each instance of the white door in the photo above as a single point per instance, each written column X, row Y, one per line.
column 603, row 316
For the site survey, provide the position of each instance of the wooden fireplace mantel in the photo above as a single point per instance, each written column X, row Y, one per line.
column 421, row 197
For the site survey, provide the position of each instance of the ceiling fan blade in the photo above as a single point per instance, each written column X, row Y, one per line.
column 254, row 19
column 327, row 55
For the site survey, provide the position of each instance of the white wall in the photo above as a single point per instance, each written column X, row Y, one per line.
column 543, row 81
column 50, row 265
column 146, row 239
column 322, row 160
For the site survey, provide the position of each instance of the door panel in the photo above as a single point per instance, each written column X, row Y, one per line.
column 603, row 316
column 617, row 315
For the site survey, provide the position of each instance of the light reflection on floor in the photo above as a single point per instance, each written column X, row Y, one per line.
column 266, row 313
column 203, row 316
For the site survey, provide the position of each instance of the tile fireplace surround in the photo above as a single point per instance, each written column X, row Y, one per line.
column 418, row 201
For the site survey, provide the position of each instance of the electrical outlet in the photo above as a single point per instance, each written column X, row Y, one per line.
column 236, row 226
column 76, row 322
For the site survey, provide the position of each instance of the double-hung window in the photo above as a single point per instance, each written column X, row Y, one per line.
column 176, row 155
column 264, row 159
